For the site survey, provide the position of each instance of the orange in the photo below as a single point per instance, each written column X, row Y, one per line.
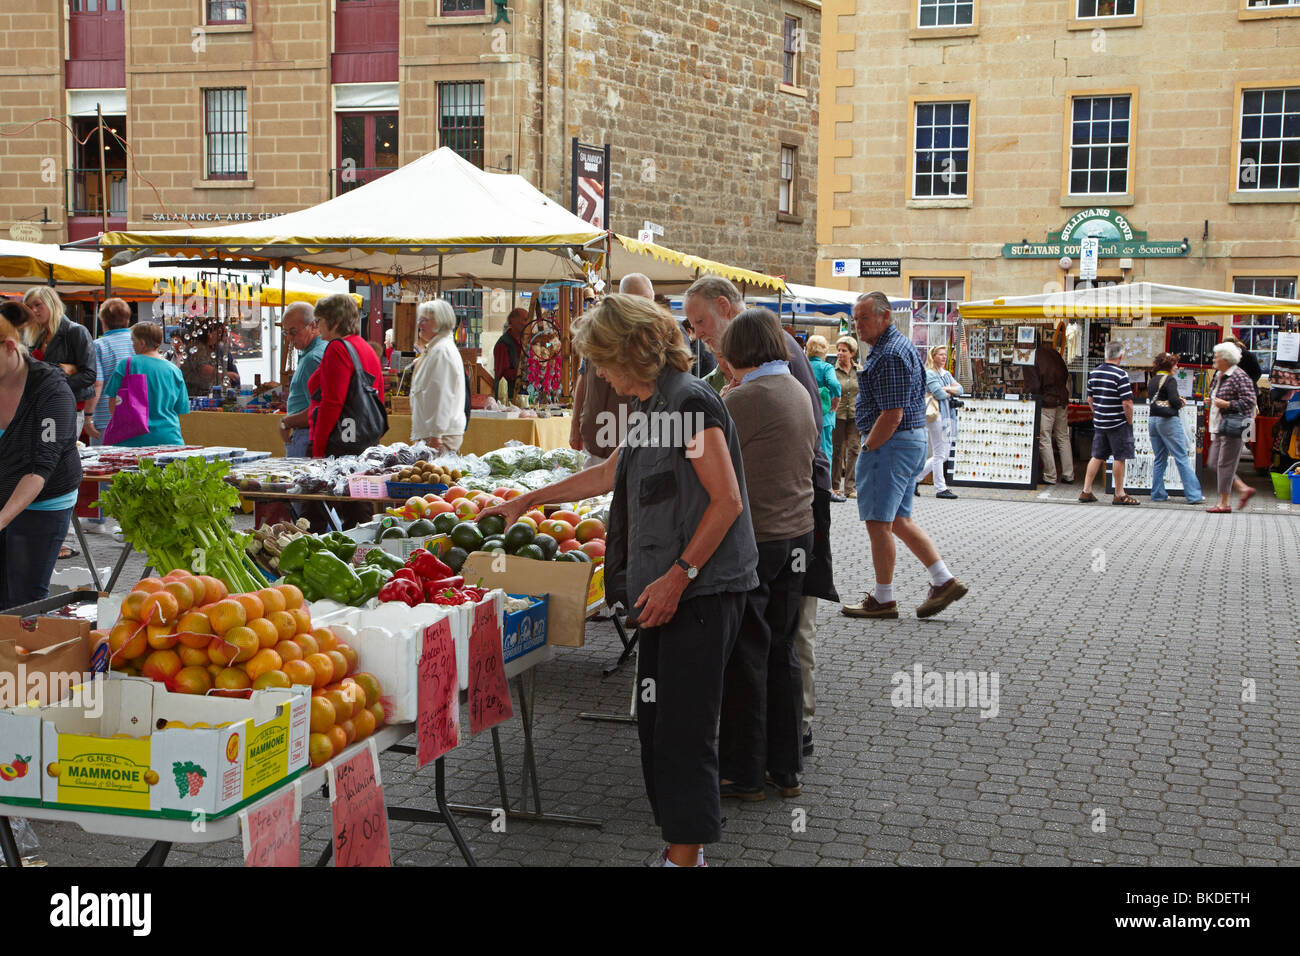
column 292, row 596
column 338, row 738
column 226, row 614
column 221, row 652
column 232, row 678
column 307, row 642
column 340, row 664
column 175, row 575
column 252, row 605
column 272, row 600
column 289, row 651
column 214, row 670
column 323, row 715
column 349, row 652
column 214, row 589
column 245, row 640
column 271, row 680
column 149, row 585
column 300, row 672
column 370, row 684
column 319, row 749
column 193, row 656
column 192, row 680
column 198, row 589
column 127, row 639
column 303, row 617
column 266, row 631
column 180, row 590
column 342, row 703
column 261, row 662
column 326, row 640
column 160, row 607
column 285, row 624
column 194, row 629
column 161, row 636
column 364, row 722
column 349, row 728
column 324, row 668
column 161, row 666
column 131, row 604
column 379, row 713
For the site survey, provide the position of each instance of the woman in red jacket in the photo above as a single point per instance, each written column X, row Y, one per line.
column 340, row 326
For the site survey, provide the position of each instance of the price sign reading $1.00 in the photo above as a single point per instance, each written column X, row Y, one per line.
column 489, row 697
column 357, row 807
column 438, row 724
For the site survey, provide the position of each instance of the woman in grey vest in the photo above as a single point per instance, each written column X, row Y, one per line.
column 680, row 554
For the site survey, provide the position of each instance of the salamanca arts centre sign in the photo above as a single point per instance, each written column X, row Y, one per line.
column 1118, row 239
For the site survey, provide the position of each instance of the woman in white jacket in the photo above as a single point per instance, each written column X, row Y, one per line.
column 438, row 384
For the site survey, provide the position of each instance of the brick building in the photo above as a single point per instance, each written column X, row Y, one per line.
column 960, row 135
column 252, row 108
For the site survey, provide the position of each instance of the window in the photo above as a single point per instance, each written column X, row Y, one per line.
column 462, row 8
column 942, row 150
column 946, row 13
column 460, row 119
column 1106, row 8
column 934, row 309
column 468, row 304
column 227, row 11
column 791, row 49
column 1258, row 4
column 95, row 6
column 1269, row 156
column 785, row 203
column 225, row 133
column 1259, row 332
column 1099, row 145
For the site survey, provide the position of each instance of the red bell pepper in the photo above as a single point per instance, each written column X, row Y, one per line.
column 429, row 567
column 407, row 573
column 400, row 589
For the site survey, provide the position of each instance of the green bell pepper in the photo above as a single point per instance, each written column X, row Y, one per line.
column 332, row 577
column 372, row 579
column 295, row 553
column 382, row 559
column 337, row 543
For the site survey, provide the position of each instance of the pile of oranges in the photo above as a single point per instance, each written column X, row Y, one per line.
column 188, row 633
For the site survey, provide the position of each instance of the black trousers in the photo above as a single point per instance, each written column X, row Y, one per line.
column 677, row 714
column 762, row 687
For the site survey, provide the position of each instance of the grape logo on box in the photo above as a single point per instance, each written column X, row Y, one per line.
column 75, row 909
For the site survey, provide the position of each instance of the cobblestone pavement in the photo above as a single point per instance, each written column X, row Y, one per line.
column 1124, row 641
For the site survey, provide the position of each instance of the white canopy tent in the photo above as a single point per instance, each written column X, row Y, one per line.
column 1130, row 302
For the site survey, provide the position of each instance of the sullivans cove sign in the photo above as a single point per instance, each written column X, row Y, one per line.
column 1118, row 239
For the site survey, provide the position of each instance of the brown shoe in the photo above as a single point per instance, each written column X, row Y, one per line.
column 940, row 597
column 870, row 607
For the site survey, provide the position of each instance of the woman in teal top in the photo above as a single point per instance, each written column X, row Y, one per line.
column 828, row 384
column 168, row 397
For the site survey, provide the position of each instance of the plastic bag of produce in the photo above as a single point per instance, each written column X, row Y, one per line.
column 568, row 458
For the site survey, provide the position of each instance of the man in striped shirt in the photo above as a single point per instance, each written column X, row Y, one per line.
column 1110, row 395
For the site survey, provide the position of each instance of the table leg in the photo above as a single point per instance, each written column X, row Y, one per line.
column 157, row 855
column 628, row 718
column 85, row 551
column 440, row 794
column 13, row 858
column 529, row 772
column 117, row 568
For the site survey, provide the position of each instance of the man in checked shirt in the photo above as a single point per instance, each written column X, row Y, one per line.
column 891, row 417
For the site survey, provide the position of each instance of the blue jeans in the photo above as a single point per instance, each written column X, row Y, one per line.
column 299, row 445
column 29, row 546
column 1169, row 440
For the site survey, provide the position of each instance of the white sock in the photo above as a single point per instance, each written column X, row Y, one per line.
column 884, row 593
column 939, row 573
column 670, row 863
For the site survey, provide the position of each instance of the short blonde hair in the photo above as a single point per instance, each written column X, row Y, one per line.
column 929, row 358
column 339, row 314
column 53, row 303
column 816, row 346
column 632, row 334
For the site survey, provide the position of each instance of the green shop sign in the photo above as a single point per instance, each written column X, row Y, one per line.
column 1118, row 239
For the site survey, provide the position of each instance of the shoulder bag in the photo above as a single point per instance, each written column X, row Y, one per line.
column 362, row 411
column 1162, row 407
column 131, row 416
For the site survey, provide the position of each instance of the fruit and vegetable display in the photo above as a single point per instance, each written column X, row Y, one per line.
column 321, row 567
column 426, row 579
column 268, row 542
column 179, row 517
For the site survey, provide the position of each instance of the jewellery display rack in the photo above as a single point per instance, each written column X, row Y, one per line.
column 997, row 443
column 1138, row 473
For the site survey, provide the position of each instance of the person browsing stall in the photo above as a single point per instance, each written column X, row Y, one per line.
column 40, row 469
column 438, row 384
column 1165, row 428
column 596, row 406
column 1232, row 393
column 168, row 397
column 1110, row 395
column 339, row 322
column 54, row 338
column 110, row 348
column 1049, row 378
column 942, row 432
column 847, row 441
column 300, row 331
column 508, row 353
column 680, row 554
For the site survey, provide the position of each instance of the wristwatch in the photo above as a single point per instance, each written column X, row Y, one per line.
column 691, row 571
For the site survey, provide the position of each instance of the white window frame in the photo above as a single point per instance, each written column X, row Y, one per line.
column 1127, row 145
column 912, row 171
column 787, row 186
column 1291, row 102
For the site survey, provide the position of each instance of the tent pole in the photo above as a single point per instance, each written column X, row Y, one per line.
column 50, row 267
column 514, row 282
column 440, row 277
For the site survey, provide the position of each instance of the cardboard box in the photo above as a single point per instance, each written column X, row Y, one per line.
column 565, row 584
column 57, row 658
column 102, row 749
column 596, row 590
column 525, row 631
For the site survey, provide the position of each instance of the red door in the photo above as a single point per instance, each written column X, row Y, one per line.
column 365, row 41
column 96, row 44
column 368, row 148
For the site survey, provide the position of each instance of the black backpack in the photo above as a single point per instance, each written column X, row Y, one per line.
column 362, row 407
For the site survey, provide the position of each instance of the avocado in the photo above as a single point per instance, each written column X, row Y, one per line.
column 566, row 556
column 492, row 525
column 580, row 555
column 455, row 558
column 531, row 551
column 393, row 532
column 466, row 535
column 550, row 547
column 444, row 522
column 494, row 540
column 518, row 535
column 420, row 527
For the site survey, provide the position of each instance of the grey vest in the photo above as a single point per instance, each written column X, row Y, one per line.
column 658, row 500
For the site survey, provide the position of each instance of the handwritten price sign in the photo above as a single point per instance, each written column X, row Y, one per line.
column 489, row 697
column 271, row 831
column 438, row 725
column 357, row 807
